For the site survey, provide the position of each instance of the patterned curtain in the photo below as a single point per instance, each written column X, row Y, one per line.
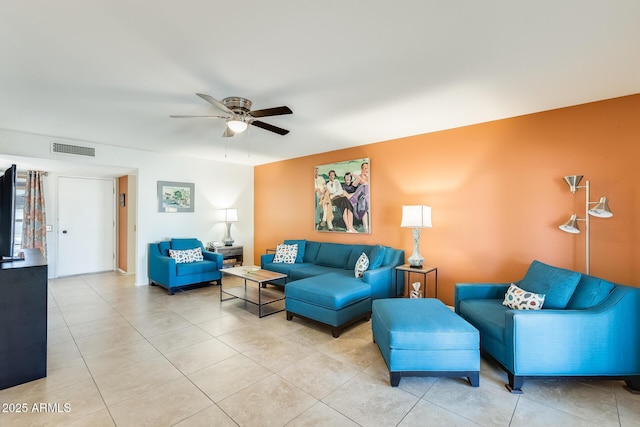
column 34, row 231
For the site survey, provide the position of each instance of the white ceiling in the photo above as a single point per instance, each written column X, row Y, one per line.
column 353, row 71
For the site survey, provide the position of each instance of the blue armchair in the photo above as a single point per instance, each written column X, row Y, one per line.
column 164, row 271
column 594, row 334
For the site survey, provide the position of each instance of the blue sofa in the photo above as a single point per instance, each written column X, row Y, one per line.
column 587, row 327
column 164, row 271
column 321, row 284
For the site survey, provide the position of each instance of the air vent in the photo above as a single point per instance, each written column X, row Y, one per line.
column 75, row 150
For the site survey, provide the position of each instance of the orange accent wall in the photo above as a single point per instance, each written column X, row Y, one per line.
column 497, row 193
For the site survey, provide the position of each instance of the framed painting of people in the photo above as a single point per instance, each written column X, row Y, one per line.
column 342, row 197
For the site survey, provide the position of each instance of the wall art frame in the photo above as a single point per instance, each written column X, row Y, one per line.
column 176, row 196
column 342, row 197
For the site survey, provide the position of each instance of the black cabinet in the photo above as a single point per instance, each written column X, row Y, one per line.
column 23, row 319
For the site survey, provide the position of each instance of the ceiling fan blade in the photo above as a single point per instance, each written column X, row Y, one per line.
column 188, row 117
column 211, row 100
column 272, row 128
column 275, row 111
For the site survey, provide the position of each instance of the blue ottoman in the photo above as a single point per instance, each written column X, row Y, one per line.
column 424, row 337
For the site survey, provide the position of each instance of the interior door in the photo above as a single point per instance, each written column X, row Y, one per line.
column 86, row 225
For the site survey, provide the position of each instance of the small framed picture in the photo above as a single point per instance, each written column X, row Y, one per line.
column 175, row 196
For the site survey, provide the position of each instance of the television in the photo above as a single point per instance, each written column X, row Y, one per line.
column 7, row 213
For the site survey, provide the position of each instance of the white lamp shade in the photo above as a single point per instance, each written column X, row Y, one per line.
column 228, row 215
column 416, row 216
column 237, row 126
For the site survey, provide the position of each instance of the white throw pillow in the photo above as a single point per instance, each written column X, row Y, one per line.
column 186, row 256
column 361, row 265
column 519, row 299
column 286, row 253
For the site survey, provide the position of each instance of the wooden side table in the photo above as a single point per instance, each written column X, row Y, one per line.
column 424, row 270
column 232, row 256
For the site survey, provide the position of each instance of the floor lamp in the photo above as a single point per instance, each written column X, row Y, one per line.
column 600, row 210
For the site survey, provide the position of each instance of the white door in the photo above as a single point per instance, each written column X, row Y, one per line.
column 86, row 225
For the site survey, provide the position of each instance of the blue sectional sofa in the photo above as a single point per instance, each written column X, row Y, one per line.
column 164, row 271
column 321, row 284
column 587, row 327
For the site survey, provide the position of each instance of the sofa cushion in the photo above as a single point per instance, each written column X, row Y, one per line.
column 557, row 284
column 361, row 265
column 280, row 267
column 195, row 268
column 186, row 256
column 311, row 270
column 301, row 247
column 487, row 315
column 182, row 244
column 590, row 292
column 333, row 290
column 423, row 324
column 333, row 255
column 285, row 254
column 519, row 299
column 356, row 251
column 311, row 251
column 376, row 257
column 388, row 256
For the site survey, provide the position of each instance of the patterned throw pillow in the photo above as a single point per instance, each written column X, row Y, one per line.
column 286, row 253
column 361, row 265
column 519, row 299
column 186, row 256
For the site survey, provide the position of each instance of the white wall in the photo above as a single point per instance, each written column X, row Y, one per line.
column 217, row 185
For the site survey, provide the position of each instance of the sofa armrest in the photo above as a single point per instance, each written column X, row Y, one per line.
column 162, row 269
column 381, row 281
column 602, row 340
column 265, row 258
column 213, row 256
column 478, row 291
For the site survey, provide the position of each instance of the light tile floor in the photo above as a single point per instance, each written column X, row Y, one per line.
column 134, row 356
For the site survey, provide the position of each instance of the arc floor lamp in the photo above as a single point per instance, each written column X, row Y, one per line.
column 599, row 209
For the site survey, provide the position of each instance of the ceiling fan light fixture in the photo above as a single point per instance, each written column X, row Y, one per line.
column 237, row 125
column 239, row 115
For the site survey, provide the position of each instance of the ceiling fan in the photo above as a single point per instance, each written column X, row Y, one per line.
column 239, row 114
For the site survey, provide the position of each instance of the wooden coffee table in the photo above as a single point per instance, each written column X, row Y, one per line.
column 265, row 298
